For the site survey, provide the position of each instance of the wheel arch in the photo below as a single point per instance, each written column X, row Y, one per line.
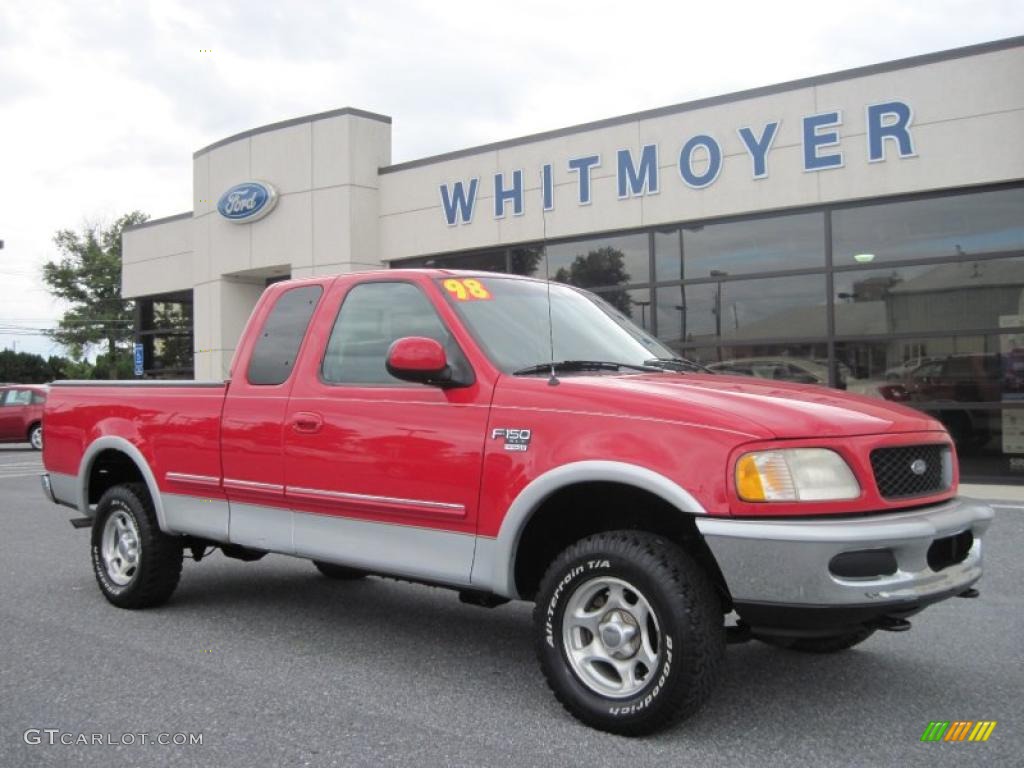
column 675, row 506
column 105, row 447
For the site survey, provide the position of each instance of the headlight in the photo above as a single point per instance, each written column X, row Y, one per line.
column 796, row 474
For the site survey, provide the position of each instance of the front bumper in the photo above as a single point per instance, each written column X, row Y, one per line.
column 778, row 572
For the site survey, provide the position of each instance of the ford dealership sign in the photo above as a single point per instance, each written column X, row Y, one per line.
column 248, row 201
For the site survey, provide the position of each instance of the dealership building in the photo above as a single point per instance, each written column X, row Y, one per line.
column 862, row 229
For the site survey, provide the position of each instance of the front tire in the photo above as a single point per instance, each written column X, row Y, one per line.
column 136, row 564
column 629, row 632
column 35, row 437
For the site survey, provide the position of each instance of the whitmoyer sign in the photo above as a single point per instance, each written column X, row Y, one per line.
column 699, row 162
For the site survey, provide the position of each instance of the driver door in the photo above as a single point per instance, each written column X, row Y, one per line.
column 384, row 474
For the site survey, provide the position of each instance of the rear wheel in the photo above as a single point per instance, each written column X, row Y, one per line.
column 35, row 436
column 339, row 572
column 828, row 644
column 136, row 564
column 629, row 632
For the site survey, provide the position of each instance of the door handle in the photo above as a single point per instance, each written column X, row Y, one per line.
column 307, row 422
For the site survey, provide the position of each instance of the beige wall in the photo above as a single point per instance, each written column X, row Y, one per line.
column 157, row 258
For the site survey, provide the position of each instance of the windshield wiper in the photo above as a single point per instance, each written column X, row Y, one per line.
column 676, row 364
column 581, row 365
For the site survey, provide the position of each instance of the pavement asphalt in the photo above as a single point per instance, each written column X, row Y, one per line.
column 275, row 665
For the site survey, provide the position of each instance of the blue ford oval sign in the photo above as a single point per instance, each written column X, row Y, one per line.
column 248, row 201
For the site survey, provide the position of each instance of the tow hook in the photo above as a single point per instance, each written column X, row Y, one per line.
column 891, row 624
column 971, row 593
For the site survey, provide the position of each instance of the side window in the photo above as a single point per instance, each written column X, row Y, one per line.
column 38, row 398
column 5, row 396
column 373, row 316
column 273, row 357
column 18, row 397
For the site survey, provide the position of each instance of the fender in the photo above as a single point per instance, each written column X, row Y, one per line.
column 112, row 442
column 494, row 564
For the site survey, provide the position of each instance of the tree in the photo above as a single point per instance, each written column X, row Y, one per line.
column 599, row 268
column 88, row 278
column 26, row 368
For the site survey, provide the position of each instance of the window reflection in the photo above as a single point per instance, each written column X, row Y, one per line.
column 635, row 304
column 601, row 262
column 943, row 297
column 799, row 363
column 957, row 225
column 974, row 385
column 740, row 247
column 773, row 307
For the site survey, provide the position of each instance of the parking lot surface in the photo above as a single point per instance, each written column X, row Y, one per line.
column 275, row 665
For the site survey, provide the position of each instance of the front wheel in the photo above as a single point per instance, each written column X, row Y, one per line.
column 629, row 632
column 136, row 564
column 35, row 437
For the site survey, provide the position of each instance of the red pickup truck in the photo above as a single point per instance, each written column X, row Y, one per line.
column 515, row 439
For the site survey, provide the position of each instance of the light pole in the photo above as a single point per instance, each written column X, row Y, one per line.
column 718, row 308
column 643, row 312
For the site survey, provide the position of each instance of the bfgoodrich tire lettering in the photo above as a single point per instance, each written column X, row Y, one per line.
column 135, row 563
column 687, row 631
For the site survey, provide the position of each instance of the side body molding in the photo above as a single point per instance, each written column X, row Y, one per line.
column 494, row 564
column 112, row 442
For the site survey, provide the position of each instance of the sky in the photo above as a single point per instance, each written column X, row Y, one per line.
column 102, row 103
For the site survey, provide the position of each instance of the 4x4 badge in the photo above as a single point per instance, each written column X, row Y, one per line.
column 515, row 439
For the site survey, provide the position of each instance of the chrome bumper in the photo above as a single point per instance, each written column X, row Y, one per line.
column 786, row 562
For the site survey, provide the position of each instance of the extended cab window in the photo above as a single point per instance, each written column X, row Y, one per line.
column 273, row 357
column 373, row 316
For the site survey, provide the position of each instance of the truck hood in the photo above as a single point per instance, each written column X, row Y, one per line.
column 765, row 409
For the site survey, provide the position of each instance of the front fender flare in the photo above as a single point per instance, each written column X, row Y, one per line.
column 495, row 560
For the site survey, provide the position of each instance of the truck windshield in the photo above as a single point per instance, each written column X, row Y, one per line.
column 509, row 318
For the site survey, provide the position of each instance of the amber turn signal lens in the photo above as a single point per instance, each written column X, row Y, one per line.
column 748, row 479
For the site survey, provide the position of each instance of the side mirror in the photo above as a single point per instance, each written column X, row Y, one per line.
column 419, row 359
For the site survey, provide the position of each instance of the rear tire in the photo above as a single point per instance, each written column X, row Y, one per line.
column 136, row 564
column 35, row 437
column 829, row 644
column 629, row 632
column 338, row 572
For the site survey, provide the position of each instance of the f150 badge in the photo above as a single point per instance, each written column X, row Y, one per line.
column 515, row 439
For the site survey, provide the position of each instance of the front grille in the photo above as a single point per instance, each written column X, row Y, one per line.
column 895, row 475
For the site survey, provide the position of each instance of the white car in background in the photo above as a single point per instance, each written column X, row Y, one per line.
column 796, row 369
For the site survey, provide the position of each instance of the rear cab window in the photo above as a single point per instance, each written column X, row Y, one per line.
column 280, row 338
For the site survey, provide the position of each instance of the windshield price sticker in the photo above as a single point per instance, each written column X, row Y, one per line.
column 467, row 289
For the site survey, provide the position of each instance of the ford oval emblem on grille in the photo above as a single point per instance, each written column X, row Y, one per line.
column 919, row 466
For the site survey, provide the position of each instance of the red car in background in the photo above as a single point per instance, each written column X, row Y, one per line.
column 21, row 414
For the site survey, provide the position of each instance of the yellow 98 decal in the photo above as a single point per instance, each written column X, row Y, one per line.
column 467, row 289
